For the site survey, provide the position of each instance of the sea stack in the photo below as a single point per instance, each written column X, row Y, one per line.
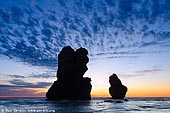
column 117, row 90
column 70, row 82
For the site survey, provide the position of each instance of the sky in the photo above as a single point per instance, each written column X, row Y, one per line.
column 129, row 38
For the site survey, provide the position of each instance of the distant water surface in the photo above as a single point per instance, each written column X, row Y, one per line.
column 41, row 105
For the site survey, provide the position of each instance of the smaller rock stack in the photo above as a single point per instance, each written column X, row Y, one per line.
column 117, row 90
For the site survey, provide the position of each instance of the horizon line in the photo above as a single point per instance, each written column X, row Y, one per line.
column 91, row 97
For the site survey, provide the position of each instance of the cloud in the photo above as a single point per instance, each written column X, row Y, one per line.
column 19, row 92
column 142, row 72
column 13, row 76
column 130, row 75
column 121, row 57
column 16, row 83
column 22, row 84
column 149, row 43
column 21, row 88
column 44, row 75
column 109, row 26
column 120, row 53
column 17, row 76
column 148, row 71
column 47, row 74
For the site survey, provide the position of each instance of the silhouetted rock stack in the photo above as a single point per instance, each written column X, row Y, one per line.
column 70, row 83
column 117, row 90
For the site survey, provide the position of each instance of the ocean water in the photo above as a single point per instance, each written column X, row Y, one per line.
column 41, row 105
